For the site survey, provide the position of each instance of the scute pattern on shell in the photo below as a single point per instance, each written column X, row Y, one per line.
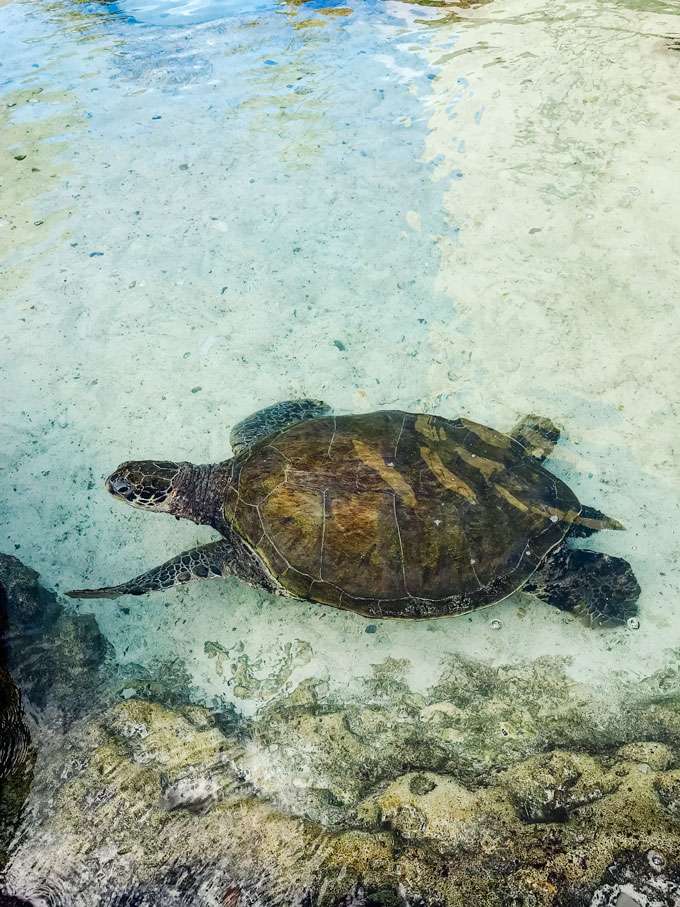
column 394, row 514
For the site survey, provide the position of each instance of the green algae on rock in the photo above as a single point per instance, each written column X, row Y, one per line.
column 320, row 755
column 545, row 832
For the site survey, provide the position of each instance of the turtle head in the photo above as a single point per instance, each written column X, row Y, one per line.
column 148, row 484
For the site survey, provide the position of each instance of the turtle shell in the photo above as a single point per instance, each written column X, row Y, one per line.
column 394, row 514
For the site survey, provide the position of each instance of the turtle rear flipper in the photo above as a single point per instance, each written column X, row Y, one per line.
column 537, row 435
column 274, row 418
column 597, row 586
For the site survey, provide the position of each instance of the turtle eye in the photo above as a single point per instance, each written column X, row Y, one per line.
column 123, row 488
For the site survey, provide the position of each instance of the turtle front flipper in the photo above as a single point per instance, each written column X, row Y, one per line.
column 208, row 561
column 537, row 435
column 597, row 586
column 274, row 418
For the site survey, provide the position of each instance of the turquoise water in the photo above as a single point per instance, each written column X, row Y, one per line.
column 207, row 208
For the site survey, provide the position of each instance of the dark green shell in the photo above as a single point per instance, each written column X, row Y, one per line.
column 393, row 514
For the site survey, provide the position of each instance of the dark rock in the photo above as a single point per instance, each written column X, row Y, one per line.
column 421, row 784
column 639, row 878
column 14, row 737
column 16, row 754
column 373, row 897
column 52, row 653
column 27, row 603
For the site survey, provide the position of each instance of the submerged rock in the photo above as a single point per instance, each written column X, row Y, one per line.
column 16, row 762
column 321, row 756
column 143, row 785
column 549, row 788
column 16, row 753
column 28, row 605
column 49, row 657
column 115, row 785
column 14, row 736
column 639, row 880
column 655, row 755
column 55, row 656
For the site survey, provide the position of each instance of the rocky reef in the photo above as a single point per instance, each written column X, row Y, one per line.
column 497, row 787
column 48, row 657
column 144, row 787
column 474, row 724
column 16, row 761
column 16, row 754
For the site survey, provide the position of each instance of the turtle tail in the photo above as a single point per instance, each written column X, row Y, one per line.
column 590, row 521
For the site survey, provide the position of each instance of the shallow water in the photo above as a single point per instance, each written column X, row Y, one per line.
column 207, row 207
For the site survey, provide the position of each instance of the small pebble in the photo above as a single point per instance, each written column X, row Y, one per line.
column 371, row 628
column 340, row 345
column 96, row 254
column 496, row 624
column 195, row 390
column 19, row 157
column 633, row 623
column 183, row 166
column 655, row 859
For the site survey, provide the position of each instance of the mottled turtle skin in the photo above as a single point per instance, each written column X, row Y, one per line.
column 394, row 514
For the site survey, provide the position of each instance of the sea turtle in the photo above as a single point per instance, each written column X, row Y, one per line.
column 388, row 514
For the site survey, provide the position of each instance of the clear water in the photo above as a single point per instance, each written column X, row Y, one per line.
column 207, row 207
